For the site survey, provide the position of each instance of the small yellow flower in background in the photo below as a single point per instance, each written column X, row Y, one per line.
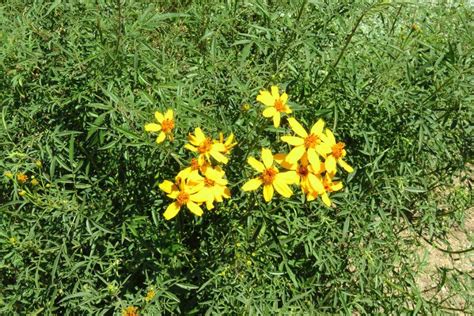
column 130, row 311
column 214, row 189
column 183, row 194
column 38, row 163
column 8, row 174
column 228, row 143
column 312, row 144
column 22, row 193
column 329, row 186
column 245, row 107
column 150, row 295
column 34, row 182
column 336, row 155
column 275, row 104
column 206, row 148
column 21, row 177
column 270, row 177
column 165, row 126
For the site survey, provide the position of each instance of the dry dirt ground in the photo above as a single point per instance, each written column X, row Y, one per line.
column 459, row 259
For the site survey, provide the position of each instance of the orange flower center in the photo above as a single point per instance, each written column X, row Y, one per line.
column 279, row 105
column 22, row 178
column 167, row 125
column 208, row 182
column 205, row 146
column 311, row 141
column 183, row 198
column 194, row 164
column 268, row 175
column 337, row 150
column 327, row 185
column 302, row 171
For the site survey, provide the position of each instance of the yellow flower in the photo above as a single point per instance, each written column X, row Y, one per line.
column 312, row 144
column 307, row 177
column 337, row 154
column 22, row 193
column 165, row 126
column 214, row 189
column 228, row 143
column 270, row 177
column 34, row 182
column 275, row 104
column 183, row 194
column 21, row 177
column 205, row 147
column 329, row 186
column 38, row 163
column 130, row 311
column 194, row 168
column 150, row 295
column 8, row 174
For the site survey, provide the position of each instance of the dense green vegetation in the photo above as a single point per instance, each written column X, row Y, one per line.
column 79, row 80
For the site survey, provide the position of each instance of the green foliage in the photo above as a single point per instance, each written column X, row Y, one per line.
column 78, row 81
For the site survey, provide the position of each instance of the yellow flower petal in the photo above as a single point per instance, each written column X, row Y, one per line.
column 184, row 174
column 269, row 111
column 199, row 135
column 190, row 147
column 330, row 139
column 171, row 211
column 219, row 156
column 311, row 196
column 275, row 92
column 159, row 117
column 252, row 185
column 330, row 164
column 295, row 154
column 316, row 183
column 152, row 127
column 323, row 149
column 276, row 119
column 169, row 114
column 282, row 188
column 293, row 140
column 194, row 208
column 284, row 97
column 297, row 127
column 345, row 165
column 161, row 137
column 202, row 196
column 279, row 158
column 267, row 192
column 313, row 159
column 218, row 147
column 288, row 177
column 267, row 157
column 318, row 127
column 167, row 186
column 326, row 199
column 254, row 163
column 337, row 186
column 266, row 98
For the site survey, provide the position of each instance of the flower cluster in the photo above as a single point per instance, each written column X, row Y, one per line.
column 311, row 163
column 203, row 181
